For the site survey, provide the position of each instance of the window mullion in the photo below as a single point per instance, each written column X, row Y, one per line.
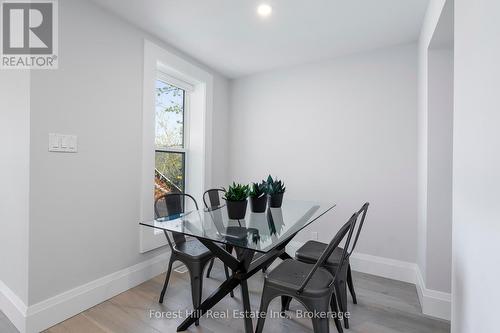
column 171, row 150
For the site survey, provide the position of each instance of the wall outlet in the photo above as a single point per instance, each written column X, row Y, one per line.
column 314, row 235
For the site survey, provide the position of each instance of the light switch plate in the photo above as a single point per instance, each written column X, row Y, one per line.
column 54, row 141
column 63, row 143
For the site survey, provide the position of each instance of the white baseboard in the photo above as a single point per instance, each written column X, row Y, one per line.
column 47, row 313
column 13, row 307
column 434, row 303
column 385, row 267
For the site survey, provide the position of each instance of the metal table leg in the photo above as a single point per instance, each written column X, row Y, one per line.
column 243, row 267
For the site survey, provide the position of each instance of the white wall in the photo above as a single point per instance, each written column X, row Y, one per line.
column 220, row 142
column 85, row 206
column 435, row 131
column 476, row 178
column 342, row 131
column 428, row 27
column 14, row 180
column 439, row 165
column 435, row 119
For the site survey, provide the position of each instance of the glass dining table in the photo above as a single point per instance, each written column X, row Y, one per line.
column 258, row 240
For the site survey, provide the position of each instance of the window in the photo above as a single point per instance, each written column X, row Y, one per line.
column 170, row 142
column 176, row 133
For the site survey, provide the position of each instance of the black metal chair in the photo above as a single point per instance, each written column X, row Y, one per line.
column 311, row 284
column 312, row 250
column 211, row 199
column 191, row 253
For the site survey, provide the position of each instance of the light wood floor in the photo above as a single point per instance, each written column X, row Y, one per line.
column 384, row 306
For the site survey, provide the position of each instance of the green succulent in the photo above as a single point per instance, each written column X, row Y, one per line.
column 237, row 192
column 258, row 190
column 275, row 186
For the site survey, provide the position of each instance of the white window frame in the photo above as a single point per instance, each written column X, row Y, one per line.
column 198, row 142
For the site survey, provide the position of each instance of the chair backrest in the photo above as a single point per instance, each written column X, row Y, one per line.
column 345, row 231
column 359, row 225
column 212, row 197
column 172, row 204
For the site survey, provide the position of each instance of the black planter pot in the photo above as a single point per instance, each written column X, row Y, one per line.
column 236, row 210
column 275, row 200
column 258, row 205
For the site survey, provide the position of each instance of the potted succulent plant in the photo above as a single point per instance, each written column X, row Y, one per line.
column 276, row 189
column 236, row 200
column 258, row 197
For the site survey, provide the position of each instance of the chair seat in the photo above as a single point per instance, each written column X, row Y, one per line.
column 194, row 249
column 312, row 250
column 290, row 274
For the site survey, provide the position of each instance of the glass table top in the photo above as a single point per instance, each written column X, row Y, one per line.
column 260, row 232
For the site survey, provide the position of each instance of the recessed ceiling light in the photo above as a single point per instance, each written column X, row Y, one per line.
column 264, row 10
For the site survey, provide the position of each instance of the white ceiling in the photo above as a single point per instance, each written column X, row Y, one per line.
column 228, row 36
